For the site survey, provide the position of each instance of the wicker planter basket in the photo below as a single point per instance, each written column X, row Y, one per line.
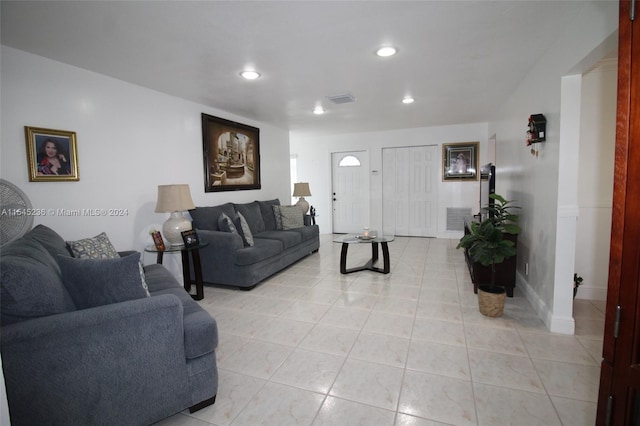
column 491, row 300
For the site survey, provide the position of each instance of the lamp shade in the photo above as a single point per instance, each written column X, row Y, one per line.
column 174, row 198
column 301, row 189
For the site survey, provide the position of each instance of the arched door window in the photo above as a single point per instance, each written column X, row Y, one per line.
column 349, row 161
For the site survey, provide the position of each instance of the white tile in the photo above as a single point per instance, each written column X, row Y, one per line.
column 502, row 406
column 368, row 383
column 305, row 311
column 342, row 317
column 437, row 398
column 569, row 380
column 257, row 359
column 407, row 420
column 380, row 348
column 389, row 324
column 234, row 392
column 511, row 371
column 435, row 358
column 331, row 340
column 336, row 411
column 556, row 347
column 446, row 332
column 277, row 404
column 314, row 371
column 575, row 413
column 494, row 339
column 285, row 332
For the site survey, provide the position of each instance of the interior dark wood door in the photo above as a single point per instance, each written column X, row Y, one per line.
column 619, row 397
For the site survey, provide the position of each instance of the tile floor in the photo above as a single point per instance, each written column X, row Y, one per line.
column 310, row 346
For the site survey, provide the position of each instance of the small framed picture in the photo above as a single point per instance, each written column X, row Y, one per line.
column 52, row 155
column 157, row 240
column 190, row 238
column 460, row 161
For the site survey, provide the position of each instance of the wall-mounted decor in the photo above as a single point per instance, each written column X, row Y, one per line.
column 537, row 129
column 51, row 155
column 231, row 155
column 460, row 161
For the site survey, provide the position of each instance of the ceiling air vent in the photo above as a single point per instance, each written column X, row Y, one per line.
column 342, row 99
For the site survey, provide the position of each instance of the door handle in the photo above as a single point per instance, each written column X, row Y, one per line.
column 334, row 199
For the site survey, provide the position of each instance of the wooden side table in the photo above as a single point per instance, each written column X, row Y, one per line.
column 186, row 271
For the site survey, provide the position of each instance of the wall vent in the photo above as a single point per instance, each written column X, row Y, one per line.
column 455, row 218
column 342, row 99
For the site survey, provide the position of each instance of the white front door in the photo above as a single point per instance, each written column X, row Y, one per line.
column 350, row 174
column 409, row 190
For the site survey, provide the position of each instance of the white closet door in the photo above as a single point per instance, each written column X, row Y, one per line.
column 410, row 190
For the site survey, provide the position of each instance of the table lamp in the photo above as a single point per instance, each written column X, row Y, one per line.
column 174, row 199
column 301, row 189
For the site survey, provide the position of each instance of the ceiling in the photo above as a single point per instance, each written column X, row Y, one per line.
column 458, row 59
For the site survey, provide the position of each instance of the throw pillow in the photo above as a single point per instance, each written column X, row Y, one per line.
column 225, row 224
column 98, row 247
column 277, row 216
column 97, row 282
column 247, row 236
column 292, row 217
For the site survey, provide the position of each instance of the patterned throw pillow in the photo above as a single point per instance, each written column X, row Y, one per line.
column 278, row 216
column 98, row 247
column 292, row 217
column 246, row 231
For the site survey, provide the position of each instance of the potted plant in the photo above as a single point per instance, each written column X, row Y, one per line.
column 577, row 282
column 486, row 244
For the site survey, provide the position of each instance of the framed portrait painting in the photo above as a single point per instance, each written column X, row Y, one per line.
column 231, row 155
column 52, row 155
column 460, row 161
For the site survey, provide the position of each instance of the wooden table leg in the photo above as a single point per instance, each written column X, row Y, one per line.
column 195, row 255
column 385, row 256
column 186, row 273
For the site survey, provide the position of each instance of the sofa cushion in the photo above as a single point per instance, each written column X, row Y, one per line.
column 277, row 217
column 308, row 233
column 98, row 247
column 50, row 240
column 97, row 282
column 261, row 250
column 245, row 229
column 287, row 238
column 30, row 279
column 207, row 217
column 31, row 290
column 253, row 215
column 268, row 217
column 292, row 217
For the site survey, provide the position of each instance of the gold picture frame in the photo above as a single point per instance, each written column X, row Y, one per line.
column 460, row 161
column 52, row 155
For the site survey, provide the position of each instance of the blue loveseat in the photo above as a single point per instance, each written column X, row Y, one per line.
column 132, row 362
column 229, row 260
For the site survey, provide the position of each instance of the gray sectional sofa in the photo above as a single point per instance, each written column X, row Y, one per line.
column 229, row 260
column 148, row 355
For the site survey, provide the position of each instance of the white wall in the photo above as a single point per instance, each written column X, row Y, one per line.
column 595, row 178
column 130, row 140
column 314, row 166
column 535, row 181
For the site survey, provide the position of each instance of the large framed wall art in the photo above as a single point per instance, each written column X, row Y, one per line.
column 52, row 155
column 231, row 154
column 460, row 161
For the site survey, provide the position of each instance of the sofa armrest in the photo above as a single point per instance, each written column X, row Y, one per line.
column 88, row 366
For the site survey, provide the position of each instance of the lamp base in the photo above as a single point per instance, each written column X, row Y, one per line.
column 173, row 227
column 304, row 204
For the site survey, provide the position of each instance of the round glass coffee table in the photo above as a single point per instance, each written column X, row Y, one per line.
column 347, row 240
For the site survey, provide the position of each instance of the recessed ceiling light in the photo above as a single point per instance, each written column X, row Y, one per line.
column 250, row 74
column 386, row 51
column 318, row 110
column 408, row 100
